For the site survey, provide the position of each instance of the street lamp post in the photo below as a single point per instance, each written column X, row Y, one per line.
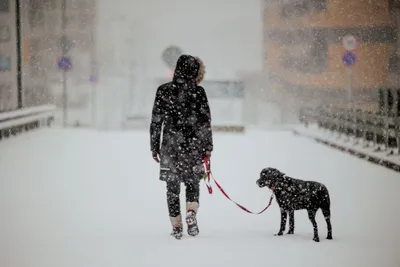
column 19, row 55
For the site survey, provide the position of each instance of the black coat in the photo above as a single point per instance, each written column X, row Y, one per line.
column 180, row 130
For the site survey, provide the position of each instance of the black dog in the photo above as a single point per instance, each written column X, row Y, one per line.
column 294, row 194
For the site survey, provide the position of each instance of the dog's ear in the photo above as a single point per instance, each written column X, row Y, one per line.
column 276, row 173
column 264, row 172
column 280, row 174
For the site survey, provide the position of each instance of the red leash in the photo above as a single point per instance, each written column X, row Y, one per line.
column 209, row 175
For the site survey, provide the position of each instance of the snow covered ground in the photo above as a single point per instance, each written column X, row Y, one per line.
column 82, row 198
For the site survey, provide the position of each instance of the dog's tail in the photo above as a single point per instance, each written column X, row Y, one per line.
column 326, row 208
column 325, row 198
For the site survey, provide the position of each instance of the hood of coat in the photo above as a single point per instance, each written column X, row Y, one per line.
column 202, row 71
column 188, row 69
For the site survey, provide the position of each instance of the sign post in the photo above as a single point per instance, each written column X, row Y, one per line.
column 349, row 43
column 350, row 86
column 61, row 63
column 93, row 78
column 64, row 64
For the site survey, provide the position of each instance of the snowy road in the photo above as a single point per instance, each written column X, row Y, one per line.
column 79, row 198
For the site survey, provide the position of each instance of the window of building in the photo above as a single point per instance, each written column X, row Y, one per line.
column 33, row 60
column 49, row 4
column 71, row 20
column 77, row 4
column 303, row 7
column 394, row 62
column 5, row 33
column 394, row 59
column 4, row 5
column 5, row 97
column 319, row 51
column 35, row 13
column 34, row 66
column 394, row 4
column 83, row 21
column 52, row 22
column 318, row 5
column 308, row 52
column 5, row 63
column 297, row 8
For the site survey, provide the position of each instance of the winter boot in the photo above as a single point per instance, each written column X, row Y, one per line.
column 177, row 229
column 191, row 211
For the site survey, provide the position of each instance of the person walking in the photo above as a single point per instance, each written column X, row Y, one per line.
column 181, row 114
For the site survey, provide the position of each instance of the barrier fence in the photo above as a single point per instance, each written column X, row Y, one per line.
column 377, row 129
column 25, row 119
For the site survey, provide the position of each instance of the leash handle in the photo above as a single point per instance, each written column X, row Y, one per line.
column 208, row 174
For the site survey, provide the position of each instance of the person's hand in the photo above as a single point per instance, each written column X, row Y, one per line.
column 155, row 157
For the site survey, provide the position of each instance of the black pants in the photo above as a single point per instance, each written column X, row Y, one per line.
column 173, row 192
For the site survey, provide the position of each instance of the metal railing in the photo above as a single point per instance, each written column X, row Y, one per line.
column 380, row 129
column 26, row 119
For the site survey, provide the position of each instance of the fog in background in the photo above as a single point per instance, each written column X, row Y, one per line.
column 132, row 35
column 227, row 35
column 288, row 54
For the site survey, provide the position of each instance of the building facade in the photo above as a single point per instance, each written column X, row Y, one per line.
column 43, row 42
column 37, row 46
column 304, row 52
column 8, row 56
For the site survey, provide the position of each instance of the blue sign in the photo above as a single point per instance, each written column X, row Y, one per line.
column 349, row 58
column 93, row 78
column 5, row 63
column 64, row 64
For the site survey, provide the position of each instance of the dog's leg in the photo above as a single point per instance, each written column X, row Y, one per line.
column 311, row 216
column 327, row 215
column 283, row 222
column 291, row 223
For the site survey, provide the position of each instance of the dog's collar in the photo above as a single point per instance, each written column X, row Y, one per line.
column 273, row 188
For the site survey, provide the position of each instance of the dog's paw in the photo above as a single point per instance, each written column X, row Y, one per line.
column 329, row 237
column 278, row 234
column 316, row 239
column 290, row 232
